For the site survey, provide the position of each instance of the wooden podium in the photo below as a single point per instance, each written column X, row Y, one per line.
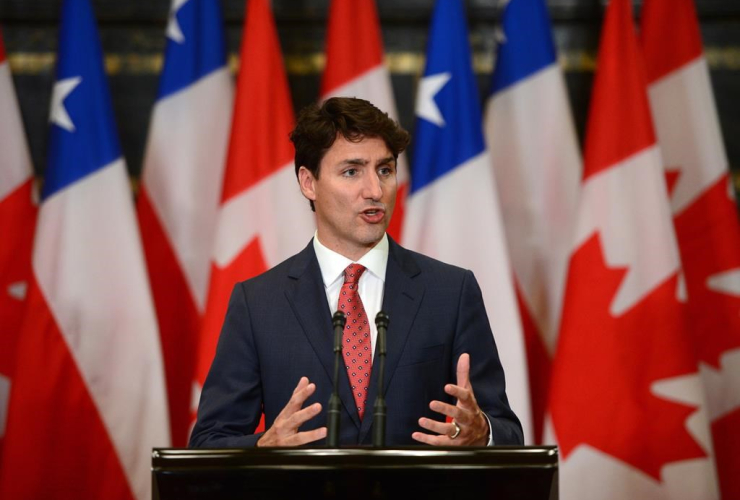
column 411, row 473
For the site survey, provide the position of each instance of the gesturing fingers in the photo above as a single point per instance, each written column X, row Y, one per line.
column 301, row 438
column 442, row 428
column 438, row 440
column 301, row 393
column 294, row 421
column 465, row 397
column 468, row 425
column 284, row 431
column 463, row 370
column 463, row 415
column 302, row 383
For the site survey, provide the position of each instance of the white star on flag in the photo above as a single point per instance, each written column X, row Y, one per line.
column 59, row 115
column 174, row 32
column 429, row 87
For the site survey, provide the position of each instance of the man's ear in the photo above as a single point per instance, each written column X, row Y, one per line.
column 307, row 182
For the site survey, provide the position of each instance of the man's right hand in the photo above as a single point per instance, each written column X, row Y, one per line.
column 284, row 431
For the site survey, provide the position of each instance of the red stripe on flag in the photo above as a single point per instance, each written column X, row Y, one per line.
column 353, row 44
column 670, row 36
column 262, row 104
column 617, row 127
column 2, row 48
column 177, row 317
column 17, row 225
column 539, row 364
column 64, row 453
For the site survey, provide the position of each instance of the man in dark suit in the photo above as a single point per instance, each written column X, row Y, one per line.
column 275, row 354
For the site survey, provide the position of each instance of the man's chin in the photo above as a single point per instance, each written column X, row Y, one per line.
column 374, row 234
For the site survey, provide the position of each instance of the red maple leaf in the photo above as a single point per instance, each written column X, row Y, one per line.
column 605, row 367
column 708, row 234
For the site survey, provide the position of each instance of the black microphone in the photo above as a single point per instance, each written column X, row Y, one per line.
column 335, row 405
column 379, row 410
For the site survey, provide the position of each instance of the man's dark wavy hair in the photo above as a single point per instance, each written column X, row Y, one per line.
column 355, row 119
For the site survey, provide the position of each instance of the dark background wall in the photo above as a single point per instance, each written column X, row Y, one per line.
column 132, row 33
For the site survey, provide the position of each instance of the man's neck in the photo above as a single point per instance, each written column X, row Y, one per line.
column 332, row 263
column 354, row 253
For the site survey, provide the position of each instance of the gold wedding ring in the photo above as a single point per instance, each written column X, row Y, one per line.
column 457, row 430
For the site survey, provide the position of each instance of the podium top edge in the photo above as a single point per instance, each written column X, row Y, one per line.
column 350, row 457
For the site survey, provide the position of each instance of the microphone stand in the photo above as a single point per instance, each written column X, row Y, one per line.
column 379, row 409
column 335, row 405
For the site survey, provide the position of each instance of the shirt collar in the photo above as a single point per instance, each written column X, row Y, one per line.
column 332, row 264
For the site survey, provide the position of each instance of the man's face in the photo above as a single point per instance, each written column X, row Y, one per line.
column 354, row 194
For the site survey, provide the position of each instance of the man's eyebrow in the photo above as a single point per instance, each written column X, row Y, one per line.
column 362, row 161
column 353, row 161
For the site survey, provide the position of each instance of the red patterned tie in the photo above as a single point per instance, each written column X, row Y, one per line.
column 356, row 339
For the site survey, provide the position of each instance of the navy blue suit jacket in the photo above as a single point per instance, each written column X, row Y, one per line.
column 278, row 328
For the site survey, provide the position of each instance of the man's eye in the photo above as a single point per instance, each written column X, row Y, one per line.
column 385, row 171
column 350, row 172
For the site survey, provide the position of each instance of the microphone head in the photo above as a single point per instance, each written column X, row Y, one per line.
column 382, row 320
column 339, row 319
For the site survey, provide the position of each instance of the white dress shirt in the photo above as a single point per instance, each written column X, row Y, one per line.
column 372, row 281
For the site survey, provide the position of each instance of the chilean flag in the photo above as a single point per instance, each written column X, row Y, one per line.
column 626, row 398
column 17, row 221
column 263, row 218
column 181, row 188
column 704, row 211
column 537, row 165
column 88, row 400
column 355, row 68
column 453, row 210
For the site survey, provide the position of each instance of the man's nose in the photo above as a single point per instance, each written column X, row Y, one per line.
column 373, row 187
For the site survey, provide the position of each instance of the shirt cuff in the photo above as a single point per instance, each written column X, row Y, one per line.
column 490, row 430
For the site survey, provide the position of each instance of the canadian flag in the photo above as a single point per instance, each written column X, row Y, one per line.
column 627, row 404
column 181, row 188
column 704, row 210
column 17, row 221
column 355, row 68
column 263, row 217
column 88, row 400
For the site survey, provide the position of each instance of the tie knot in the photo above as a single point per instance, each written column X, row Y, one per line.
column 353, row 272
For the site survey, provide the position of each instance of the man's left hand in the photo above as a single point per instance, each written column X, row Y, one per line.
column 466, row 415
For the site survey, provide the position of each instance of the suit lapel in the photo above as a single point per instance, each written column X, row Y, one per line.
column 307, row 298
column 401, row 299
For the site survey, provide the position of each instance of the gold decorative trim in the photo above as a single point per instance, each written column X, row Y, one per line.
column 399, row 63
column 735, row 173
